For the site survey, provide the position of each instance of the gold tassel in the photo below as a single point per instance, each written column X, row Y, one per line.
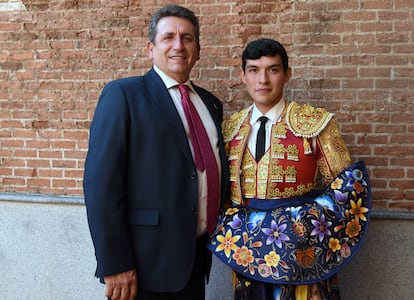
column 306, row 146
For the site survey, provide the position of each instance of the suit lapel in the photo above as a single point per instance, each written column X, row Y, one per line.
column 160, row 100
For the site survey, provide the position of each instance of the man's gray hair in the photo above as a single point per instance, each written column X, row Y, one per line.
column 172, row 11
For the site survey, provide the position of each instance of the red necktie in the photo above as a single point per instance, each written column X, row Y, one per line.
column 204, row 157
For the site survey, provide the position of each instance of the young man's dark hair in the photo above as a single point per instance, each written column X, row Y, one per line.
column 265, row 47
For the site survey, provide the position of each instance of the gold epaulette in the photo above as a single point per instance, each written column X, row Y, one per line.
column 306, row 121
column 232, row 125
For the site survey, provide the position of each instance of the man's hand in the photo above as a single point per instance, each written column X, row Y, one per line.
column 122, row 286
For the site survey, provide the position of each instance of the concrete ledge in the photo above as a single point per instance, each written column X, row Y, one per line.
column 38, row 198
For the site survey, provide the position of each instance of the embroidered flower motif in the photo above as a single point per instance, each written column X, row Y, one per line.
column 264, row 270
column 243, row 256
column 321, row 228
column 231, row 211
column 337, row 184
column 227, row 243
column 345, row 251
column 255, row 219
column 275, row 234
column 357, row 210
column 341, row 197
column 326, row 201
column 299, row 228
column 356, row 180
column 357, row 174
column 334, row 244
column 296, row 212
column 272, row 259
column 236, row 222
column 353, row 228
column 358, row 187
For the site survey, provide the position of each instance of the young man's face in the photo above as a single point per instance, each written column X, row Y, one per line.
column 265, row 80
column 175, row 50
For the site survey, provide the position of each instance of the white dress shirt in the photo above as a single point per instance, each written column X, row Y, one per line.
column 274, row 115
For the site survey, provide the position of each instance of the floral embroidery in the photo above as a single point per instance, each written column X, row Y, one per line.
column 345, row 251
column 353, row 228
column 299, row 229
column 264, row 270
column 357, row 210
column 272, row 259
column 275, row 234
column 227, row 243
column 243, row 256
column 337, row 183
column 334, row 244
column 232, row 210
column 236, row 222
column 321, row 228
column 299, row 240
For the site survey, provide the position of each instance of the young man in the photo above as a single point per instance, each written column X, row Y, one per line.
column 152, row 192
column 286, row 244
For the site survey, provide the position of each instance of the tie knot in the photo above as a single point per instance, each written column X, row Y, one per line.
column 263, row 120
column 183, row 88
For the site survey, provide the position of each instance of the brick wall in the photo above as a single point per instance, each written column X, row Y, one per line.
column 354, row 58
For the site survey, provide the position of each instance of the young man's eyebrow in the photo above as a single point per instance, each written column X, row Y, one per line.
column 256, row 66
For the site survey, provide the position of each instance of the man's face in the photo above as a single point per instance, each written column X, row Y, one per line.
column 175, row 50
column 265, row 80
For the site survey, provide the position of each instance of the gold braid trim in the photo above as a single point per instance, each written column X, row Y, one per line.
column 335, row 156
column 231, row 126
column 306, row 121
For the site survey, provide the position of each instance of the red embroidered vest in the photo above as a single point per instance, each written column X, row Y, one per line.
column 276, row 175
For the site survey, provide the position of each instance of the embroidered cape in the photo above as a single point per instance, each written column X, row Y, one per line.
column 299, row 240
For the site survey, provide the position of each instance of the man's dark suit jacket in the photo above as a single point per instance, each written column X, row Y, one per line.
column 140, row 183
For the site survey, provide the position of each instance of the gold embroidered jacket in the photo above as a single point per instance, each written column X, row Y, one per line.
column 304, row 142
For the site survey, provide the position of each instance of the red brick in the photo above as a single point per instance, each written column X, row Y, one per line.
column 36, row 182
column 409, row 195
column 13, row 181
column 403, row 205
column 402, row 184
column 376, row 5
column 57, row 55
column 65, row 183
column 388, row 194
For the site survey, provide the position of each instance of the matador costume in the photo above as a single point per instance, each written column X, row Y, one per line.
column 280, row 229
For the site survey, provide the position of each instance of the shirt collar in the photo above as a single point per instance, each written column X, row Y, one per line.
column 168, row 81
column 273, row 114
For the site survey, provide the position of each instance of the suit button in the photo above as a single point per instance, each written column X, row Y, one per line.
column 194, row 211
column 193, row 176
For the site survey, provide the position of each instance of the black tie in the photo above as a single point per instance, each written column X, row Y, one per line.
column 261, row 138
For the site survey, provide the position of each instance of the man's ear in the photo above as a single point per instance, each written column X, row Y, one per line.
column 150, row 46
column 242, row 75
column 288, row 74
column 198, row 54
